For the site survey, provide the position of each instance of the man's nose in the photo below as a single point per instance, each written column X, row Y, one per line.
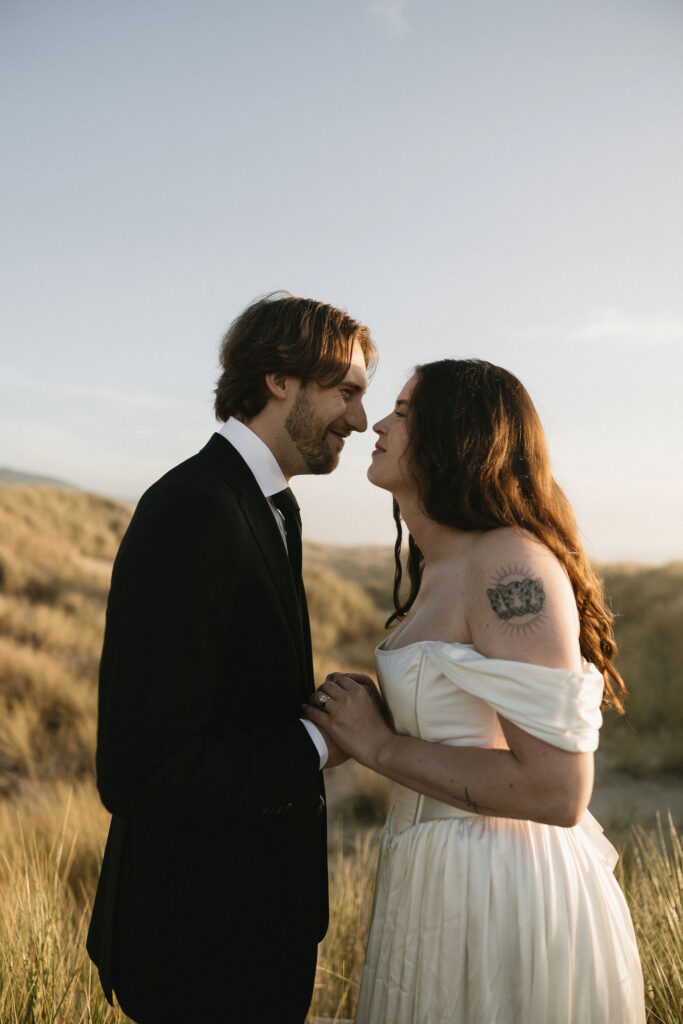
column 356, row 416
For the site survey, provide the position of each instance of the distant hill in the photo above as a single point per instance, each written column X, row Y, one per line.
column 14, row 477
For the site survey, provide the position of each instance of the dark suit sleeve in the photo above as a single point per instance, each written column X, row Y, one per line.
column 171, row 660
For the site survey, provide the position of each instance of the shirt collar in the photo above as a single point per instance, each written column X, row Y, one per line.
column 256, row 454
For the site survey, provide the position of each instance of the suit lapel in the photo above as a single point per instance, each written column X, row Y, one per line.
column 308, row 651
column 259, row 517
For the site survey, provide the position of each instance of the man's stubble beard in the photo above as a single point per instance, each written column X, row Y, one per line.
column 309, row 437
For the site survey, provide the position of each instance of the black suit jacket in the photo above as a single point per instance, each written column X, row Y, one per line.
column 216, row 859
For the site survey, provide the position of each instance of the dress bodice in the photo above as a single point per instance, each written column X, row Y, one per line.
column 450, row 693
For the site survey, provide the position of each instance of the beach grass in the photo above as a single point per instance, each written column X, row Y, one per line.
column 50, row 848
column 651, row 875
column 56, row 551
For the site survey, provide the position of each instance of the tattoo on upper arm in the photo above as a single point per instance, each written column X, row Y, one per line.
column 518, row 598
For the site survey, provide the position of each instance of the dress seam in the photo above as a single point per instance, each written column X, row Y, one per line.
column 418, row 727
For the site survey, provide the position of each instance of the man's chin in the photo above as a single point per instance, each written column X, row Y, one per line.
column 320, row 460
column 322, row 467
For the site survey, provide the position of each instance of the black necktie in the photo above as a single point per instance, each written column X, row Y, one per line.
column 288, row 505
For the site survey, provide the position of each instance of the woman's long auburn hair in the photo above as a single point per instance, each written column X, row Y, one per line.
column 479, row 454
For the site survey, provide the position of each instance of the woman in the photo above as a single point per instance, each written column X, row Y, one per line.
column 495, row 898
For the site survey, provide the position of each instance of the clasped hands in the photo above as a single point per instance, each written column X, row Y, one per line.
column 350, row 713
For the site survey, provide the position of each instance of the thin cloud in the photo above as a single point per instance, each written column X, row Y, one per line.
column 614, row 326
column 610, row 327
column 106, row 398
column 393, row 14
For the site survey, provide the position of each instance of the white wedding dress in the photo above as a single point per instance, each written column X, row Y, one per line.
column 484, row 920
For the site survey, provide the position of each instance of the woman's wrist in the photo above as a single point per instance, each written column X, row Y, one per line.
column 383, row 754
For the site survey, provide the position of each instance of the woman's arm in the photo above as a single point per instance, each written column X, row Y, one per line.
column 533, row 780
column 520, row 607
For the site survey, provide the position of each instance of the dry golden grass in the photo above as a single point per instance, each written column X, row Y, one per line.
column 56, row 549
column 649, row 607
column 651, row 875
column 340, row 961
column 50, row 847
column 346, row 626
column 371, row 567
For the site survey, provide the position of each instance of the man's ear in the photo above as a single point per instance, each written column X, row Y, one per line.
column 279, row 385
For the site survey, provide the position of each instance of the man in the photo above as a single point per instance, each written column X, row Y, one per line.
column 213, row 891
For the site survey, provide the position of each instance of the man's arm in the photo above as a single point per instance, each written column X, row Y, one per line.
column 173, row 652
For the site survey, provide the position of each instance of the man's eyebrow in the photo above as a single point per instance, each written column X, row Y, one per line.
column 351, row 386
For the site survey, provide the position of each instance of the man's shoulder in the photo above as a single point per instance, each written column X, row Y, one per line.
column 195, row 476
column 191, row 494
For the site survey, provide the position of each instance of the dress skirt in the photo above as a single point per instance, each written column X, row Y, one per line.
column 483, row 920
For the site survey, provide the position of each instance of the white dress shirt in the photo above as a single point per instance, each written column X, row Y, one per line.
column 270, row 479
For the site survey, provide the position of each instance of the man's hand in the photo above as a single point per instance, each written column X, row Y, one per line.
column 335, row 754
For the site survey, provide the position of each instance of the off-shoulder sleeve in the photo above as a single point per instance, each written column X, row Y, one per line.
column 560, row 707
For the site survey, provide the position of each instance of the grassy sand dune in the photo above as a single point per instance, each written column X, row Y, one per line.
column 56, row 550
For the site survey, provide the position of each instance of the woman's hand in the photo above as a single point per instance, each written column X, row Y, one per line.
column 351, row 711
column 369, row 683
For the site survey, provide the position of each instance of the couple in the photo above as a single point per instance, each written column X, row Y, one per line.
column 495, row 897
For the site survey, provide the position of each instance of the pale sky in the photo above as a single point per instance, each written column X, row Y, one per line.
column 493, row 178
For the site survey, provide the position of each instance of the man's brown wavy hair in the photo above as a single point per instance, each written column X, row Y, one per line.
column 479, row 454
column 281, row 333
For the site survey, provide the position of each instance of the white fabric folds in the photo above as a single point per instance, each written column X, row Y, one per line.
column 560, row 707
column 482, row 920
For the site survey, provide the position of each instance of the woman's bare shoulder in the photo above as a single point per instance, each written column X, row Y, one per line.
column 521, row 605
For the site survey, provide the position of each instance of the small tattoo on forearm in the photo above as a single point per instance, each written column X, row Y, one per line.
column 518, row 595
column 469, row 802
